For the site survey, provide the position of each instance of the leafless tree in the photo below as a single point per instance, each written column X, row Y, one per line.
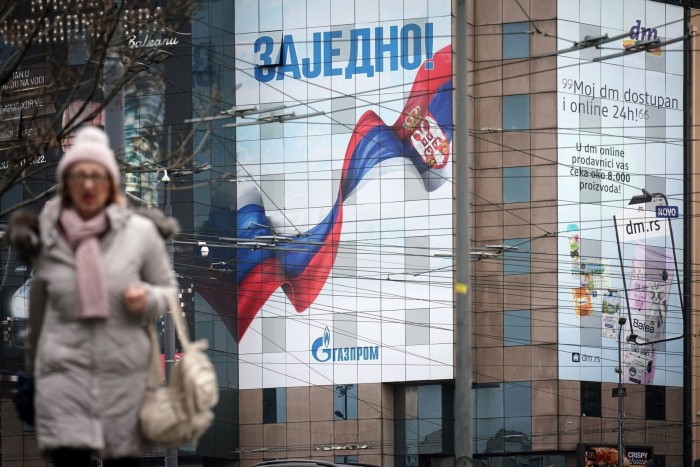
column 63, row 63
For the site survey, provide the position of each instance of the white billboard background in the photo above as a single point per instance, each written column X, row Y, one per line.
column 387, row 291
column 620, row 130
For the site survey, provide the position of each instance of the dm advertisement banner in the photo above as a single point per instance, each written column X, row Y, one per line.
column 344, row 172
column 620, row 149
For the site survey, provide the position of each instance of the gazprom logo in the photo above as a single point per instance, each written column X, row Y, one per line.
column 322, row 351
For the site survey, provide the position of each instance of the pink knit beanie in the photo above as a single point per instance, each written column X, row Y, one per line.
column 90, row 144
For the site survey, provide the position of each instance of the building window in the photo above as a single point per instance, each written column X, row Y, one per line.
column 521, row 460
column 516, row 184
column 517, row 259
column 590, row 398
column 516, row 112
column 345, row 402
column 274, row 405
column 424, row 423
column 516, row 40
column 655, row 402
column 503, row 417
column 516, row 327
column 345, row 459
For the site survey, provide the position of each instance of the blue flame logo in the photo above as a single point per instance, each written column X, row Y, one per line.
column 320, row 348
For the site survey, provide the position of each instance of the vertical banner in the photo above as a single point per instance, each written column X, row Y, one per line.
column 347, row 203
column 620, row 152
column 654, row 301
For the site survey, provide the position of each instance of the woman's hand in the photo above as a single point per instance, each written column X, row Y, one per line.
column 135, row 298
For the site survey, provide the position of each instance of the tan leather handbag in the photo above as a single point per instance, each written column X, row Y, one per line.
column 179, row 413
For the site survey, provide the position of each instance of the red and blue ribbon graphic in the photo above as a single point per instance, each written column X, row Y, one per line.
column 422, row 135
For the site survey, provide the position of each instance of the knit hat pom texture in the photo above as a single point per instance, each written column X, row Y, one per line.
column 90, row 144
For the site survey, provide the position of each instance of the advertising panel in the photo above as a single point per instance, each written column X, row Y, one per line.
column 606, row 456
column 345, row 192
column 620, row 145
column 55, row 85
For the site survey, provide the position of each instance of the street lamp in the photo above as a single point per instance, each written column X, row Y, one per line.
column 171, row 459
column 620, row 395
column 152, row 56
column 343, row 392
column 204, row 249
column 235, row 112
column 274, row 117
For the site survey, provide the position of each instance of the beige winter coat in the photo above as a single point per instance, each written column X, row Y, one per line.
column 90, row 375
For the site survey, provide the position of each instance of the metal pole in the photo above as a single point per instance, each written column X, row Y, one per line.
column 169, row 328
column 463, row 331
column 345, row 397
column 620, row 397
column 113, row 74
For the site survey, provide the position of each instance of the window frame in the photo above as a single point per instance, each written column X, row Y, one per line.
column 339, row 401
column 512, row 120
column 274, row 412
column 513, row 177
column 509, row 338
column 591, row 394
column 511, row 412
column 514, row 260
column 513, row 35
column 654, row 402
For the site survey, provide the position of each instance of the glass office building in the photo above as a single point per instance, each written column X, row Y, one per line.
column 309, row 144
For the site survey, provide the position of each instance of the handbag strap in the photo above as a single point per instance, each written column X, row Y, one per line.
column 154, row 377
column 154, row 372
column 179, row 322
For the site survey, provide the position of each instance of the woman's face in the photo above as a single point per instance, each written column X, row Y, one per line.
column 89, row 187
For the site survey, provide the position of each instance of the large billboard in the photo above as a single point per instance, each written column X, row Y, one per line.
column 344, row 221
column 621, row 156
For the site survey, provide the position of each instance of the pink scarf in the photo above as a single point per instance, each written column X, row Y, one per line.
column 83, row 238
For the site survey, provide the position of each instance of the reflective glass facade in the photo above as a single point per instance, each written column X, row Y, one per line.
column 191, row 77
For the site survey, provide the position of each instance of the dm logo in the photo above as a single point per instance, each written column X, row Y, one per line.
column 577, row 357
column 322, row 352
column 639, row 33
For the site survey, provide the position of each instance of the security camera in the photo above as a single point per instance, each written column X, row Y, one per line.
column 204, row 250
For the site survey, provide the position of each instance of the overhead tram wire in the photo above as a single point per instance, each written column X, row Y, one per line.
column 577, row 46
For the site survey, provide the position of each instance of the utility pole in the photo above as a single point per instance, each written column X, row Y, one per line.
column 463, row 328
column 168, row 325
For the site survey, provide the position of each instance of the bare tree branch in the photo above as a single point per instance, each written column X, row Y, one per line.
column 51, row 75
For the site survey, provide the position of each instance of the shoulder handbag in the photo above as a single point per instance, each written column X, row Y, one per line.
column 179, row 413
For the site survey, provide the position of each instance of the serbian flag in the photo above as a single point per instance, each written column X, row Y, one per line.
column 422, row 135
